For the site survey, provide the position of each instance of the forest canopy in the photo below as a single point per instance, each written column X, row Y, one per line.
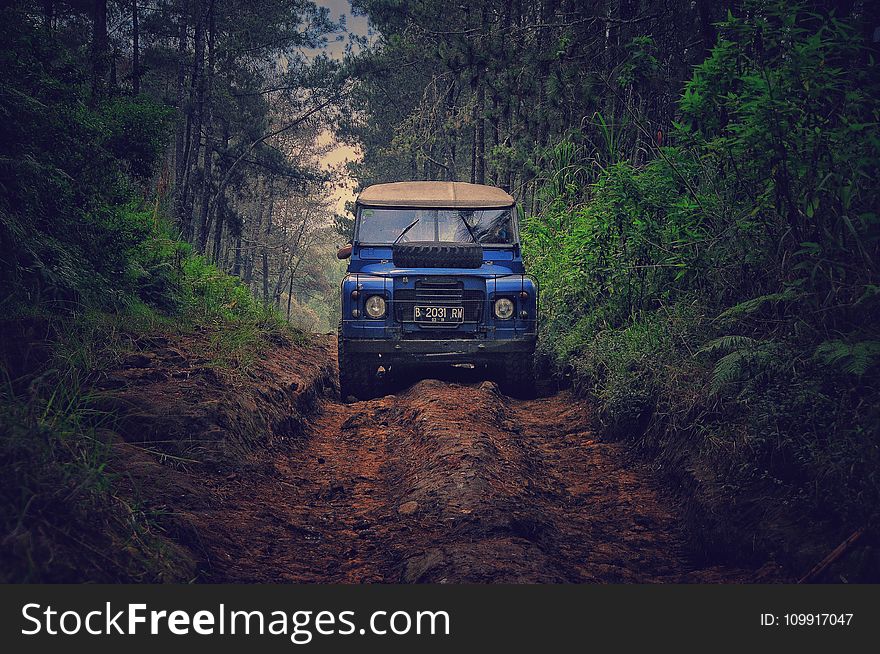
column 129, row 126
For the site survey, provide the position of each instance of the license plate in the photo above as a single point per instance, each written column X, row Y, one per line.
column 438, row 314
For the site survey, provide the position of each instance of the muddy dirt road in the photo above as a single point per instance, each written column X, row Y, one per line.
column 447, row 481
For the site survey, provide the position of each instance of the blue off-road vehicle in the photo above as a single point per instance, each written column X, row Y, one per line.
column 436, row 277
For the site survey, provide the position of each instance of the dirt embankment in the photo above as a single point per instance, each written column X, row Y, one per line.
column 184, row 428
column 440, row 482
column 172, row 393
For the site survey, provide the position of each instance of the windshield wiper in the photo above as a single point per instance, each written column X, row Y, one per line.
column 466, row 224
column 405, row 230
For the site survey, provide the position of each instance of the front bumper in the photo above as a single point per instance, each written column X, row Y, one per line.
column 442, row 351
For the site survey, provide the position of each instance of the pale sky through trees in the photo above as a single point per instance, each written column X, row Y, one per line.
column 337, row 157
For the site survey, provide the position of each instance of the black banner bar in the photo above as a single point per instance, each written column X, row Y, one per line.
column 433, row 618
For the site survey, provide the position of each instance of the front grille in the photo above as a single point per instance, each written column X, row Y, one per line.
column 438, row 292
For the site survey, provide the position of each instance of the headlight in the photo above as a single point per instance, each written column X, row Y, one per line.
column 503, row 308
column 375, row 306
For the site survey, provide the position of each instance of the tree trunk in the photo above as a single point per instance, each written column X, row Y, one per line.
column 498, row 170
column 474, row 150
column 507, row 114
column 113, row 85
column 481, row 134
column 195, row 111
column 100, row 50
column 220, row 225
column 509, row 117
column 265, row 276
column 135, row 51
column 298, row 244
column 451, row 136
column 180, row 136
column 289, row 295
column 266, row 251
column 707, row 29
column 208, row 154
column 279, row 286
column 236, row 266
column 258, row 224
column 198, row 92
column 220, row 220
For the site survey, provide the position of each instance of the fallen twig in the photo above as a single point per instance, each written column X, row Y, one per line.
column 835, row 554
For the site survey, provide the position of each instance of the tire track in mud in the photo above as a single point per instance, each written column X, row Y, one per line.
column 451, row 482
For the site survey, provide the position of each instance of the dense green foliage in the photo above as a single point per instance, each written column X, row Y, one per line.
column 69, row 229
column 718, row 300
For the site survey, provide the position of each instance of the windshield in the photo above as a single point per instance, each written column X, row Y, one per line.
column 384, row 226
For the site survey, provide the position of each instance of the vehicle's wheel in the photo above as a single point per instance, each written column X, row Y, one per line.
column 358, row 373
column 516, row 375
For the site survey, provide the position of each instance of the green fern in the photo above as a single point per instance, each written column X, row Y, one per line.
column 728, row 343
column 743, row 365
column 751, row 306
column 851, row 358
column 745, row 359
column 729, row 369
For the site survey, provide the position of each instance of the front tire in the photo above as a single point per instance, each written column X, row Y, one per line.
column 358, row 372
column 516, row 375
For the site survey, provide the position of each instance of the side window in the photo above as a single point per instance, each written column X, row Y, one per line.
column 496, row 226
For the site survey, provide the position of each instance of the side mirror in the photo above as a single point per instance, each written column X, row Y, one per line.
column 344, row 252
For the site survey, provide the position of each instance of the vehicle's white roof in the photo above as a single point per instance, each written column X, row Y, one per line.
column 453, row 195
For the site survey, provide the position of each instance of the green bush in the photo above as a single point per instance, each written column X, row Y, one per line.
column 73, row 175
column 718, row 301
column 89, row 266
